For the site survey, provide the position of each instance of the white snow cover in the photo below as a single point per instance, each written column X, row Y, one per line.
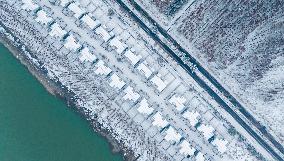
column 178, row 101
column 102, row 69
column 64, row 2
column 159, row 121
column 103, row 33
column 200, row 157
column 119, row 46
column 92, row 24
column 186, row 149
column 71, row 43
column 193, row 117
column 161, row 85
column 116, row 82
column 74, row 7
column 172, row 135
column 144, row 69
column 29, row 5
column 144, row 107
column 194, row 102
column 57, row 31
column 130, row 94
column 207, row 131
column 220, row 144
column 86, row 55
column 269, row 112
column 134, row 59
column 43, row 18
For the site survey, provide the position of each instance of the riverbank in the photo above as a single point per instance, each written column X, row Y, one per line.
column 61, row 92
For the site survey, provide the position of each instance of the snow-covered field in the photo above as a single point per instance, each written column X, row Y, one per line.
column 242, row 44
column 99, row 68
column 245, row 44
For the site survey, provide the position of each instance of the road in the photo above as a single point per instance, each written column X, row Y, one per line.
column 211, row 92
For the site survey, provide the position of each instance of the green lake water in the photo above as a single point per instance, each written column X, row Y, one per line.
column 36, row 126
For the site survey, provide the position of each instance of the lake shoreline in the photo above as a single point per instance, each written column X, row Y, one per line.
column 62, row 93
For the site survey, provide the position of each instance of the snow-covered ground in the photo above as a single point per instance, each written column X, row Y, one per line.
column 244, row 49
column 241, row 44
column 160, row 11
column 108, row 84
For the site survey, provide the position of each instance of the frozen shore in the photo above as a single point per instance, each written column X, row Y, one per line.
column 93, row 55
column 85, row 91
column 59, row 91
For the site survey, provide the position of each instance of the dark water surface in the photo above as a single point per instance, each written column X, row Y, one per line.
column 36, row 126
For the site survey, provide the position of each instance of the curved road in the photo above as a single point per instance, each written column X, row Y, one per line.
column 204, row 85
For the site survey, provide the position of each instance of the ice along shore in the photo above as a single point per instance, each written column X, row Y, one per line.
column 56, row 88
